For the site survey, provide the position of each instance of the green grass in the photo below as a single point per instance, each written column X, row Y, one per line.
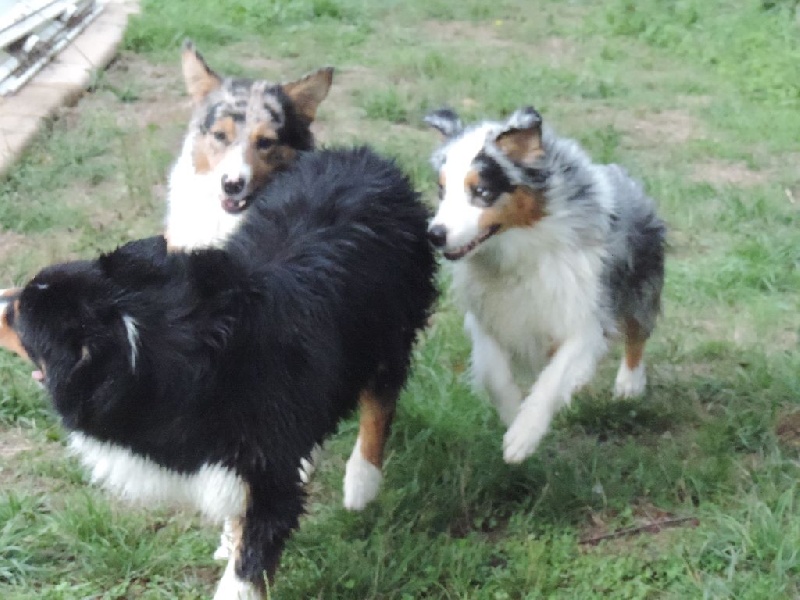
column 699, row 99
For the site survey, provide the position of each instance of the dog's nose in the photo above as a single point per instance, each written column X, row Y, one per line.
column 437, row 234
column 232, row 186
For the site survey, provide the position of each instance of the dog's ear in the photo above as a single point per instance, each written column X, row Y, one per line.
column 136, row 262
column 446, row 121
column 521, row 139
column 200, row 79
column 308, row 92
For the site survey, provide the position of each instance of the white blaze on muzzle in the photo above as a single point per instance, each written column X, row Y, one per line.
column 235, row 168
column 456, row 213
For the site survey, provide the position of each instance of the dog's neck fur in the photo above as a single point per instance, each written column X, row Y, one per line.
column 559, row 258
column 194, row 217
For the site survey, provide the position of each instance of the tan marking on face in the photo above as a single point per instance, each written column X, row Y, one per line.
column 199, row 78
column 523, row 146
column 374, row 426
column 634, row 343
column 308, row 92
column 264, row 163
column 472, row 180
column 208, row 151
column 9, row 339
column 442, row 179
column 523, row 207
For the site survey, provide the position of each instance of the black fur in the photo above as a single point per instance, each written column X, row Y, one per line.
column 249, row 355
column 493, row 178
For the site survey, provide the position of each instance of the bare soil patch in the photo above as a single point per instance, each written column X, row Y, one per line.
column 666, row 127
column 555, row 51
column 788, row 430
column 723, row 173
column 477, row 34
column 12, row 442
column 10, row 244
column 649, row 523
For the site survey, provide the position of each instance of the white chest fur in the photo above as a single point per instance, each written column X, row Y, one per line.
column 195, row 218
column 529, row 296
column 214, row 490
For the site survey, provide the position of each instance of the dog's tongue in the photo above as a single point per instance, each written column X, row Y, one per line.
column 38, row 376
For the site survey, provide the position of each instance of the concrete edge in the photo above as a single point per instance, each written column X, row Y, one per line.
column 62, row 82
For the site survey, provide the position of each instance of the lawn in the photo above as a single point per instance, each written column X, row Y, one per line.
column 700, row 99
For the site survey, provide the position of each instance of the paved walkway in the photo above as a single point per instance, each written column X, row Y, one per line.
column 62, row 81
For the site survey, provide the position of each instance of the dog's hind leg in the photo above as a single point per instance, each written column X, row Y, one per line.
column 491, row 371
column 258, row 538
column 363, row 475
column 631, row 378
column 571, row 367
column 231, row 586
column 228, row 536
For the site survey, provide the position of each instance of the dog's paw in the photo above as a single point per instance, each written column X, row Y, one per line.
column 630, row 383
column 523, row 437
column 362, row 480
column 230, row 587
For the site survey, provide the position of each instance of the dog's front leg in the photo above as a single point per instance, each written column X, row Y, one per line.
column 572, row 365
column 491, row 371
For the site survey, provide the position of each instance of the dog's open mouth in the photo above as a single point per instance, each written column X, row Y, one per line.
column 462, row 251
column 234, row 206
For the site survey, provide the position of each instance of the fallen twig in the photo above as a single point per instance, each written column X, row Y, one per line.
column 654, row 527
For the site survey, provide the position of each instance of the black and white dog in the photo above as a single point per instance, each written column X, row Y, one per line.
column 205, row 377
column 552, row 255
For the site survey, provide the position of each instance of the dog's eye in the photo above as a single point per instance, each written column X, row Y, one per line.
column 440, row 189
column 263, row 143
column 484, row 195
column 220, row 136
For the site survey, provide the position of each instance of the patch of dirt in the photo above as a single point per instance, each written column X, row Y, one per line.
column 10, row 244
column 788, row 430
column 556, row 51
column 639, row 128
column 12, row 442
column 273, row 69
column 480, row 35
column 648, row 521
column 723, row 173
column 665, row 127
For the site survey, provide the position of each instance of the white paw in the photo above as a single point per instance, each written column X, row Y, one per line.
column 232, row 588
column 523, row 437
column 362, row 480
column 630, row 383
column 225, row 549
